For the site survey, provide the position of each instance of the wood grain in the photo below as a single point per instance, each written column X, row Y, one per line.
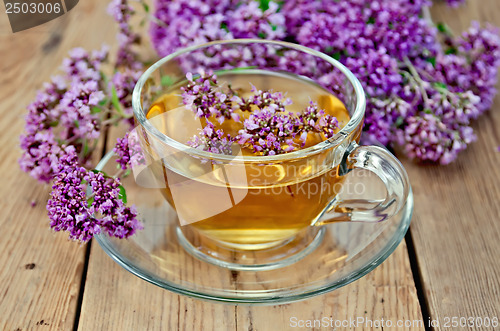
column 116, row 300
column 388, row 293
column 456, row 223
column 40, row 271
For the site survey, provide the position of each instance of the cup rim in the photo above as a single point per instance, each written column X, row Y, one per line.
column 355, row 120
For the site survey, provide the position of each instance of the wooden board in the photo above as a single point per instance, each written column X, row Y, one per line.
column 40, row 271
column 117, row 300
column 456, row 223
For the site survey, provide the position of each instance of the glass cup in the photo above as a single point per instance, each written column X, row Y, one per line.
column 243, row 211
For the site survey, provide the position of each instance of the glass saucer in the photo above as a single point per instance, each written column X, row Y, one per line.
column 346, row 252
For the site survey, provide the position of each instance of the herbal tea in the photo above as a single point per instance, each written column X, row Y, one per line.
column 250, row 205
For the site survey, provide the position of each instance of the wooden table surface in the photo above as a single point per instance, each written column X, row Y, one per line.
column 448, row 266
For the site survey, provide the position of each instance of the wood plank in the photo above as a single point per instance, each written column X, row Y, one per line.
column 41, row 271
column 456, row 223
column 117, row 300
column 387, row 293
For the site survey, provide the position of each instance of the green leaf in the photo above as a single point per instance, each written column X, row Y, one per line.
column 122, row 195
column 224, row 27
column 427, row 111
column 431, row 60
column 90, row 201
column 264, row 5
column 103, row 102
column 104, row 77
column 116, row 102
column 54, row 123
column 399, row 121
column 280, row 52
column 441, row 85
column 371, row 20
column 95, row 110
column 280, row 5
column 146, row 7
column 443, row 28
column 77, row 124
column 261, row 35
column 167, row 80
column 234, row 69
column 336, row 55
column 450, row 50
column 274, row 27
column 85, row 147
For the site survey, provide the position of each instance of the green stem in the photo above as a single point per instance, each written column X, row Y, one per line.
column 112, row 121
column 426, row 13
column 418, row 80
column 83, row 152
column 119, row 173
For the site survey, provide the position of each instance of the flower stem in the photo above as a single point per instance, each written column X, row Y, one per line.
column 112, row 121
column 418, row 79
column 118, row 173
column 426, row 13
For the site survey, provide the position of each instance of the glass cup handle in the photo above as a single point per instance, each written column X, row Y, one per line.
column 388, row 168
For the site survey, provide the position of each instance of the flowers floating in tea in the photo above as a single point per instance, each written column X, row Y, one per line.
column 263, row 121
column 254, row 113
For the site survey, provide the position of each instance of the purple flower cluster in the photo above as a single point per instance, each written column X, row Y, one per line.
column 269, row 131
column 456, row 89
column 204, row 98
column 389, row 45
column 129, row 152
column 314, row 119
column 82, row 66
column 475, row 65
column 41, row 155
column 356, row 26
column 212, row 140
column 387, row 115
column 186, row 22
column 127, row 57
column 381, row 72
column 248, row 20
column 71, row 209
column 124, row 82
column 77, row 119
column 72, row 109
column 62, row 128
column 267, row 128
column 63, row 114
column 427, row 138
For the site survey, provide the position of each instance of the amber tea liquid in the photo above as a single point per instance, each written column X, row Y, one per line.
column 248, row 206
